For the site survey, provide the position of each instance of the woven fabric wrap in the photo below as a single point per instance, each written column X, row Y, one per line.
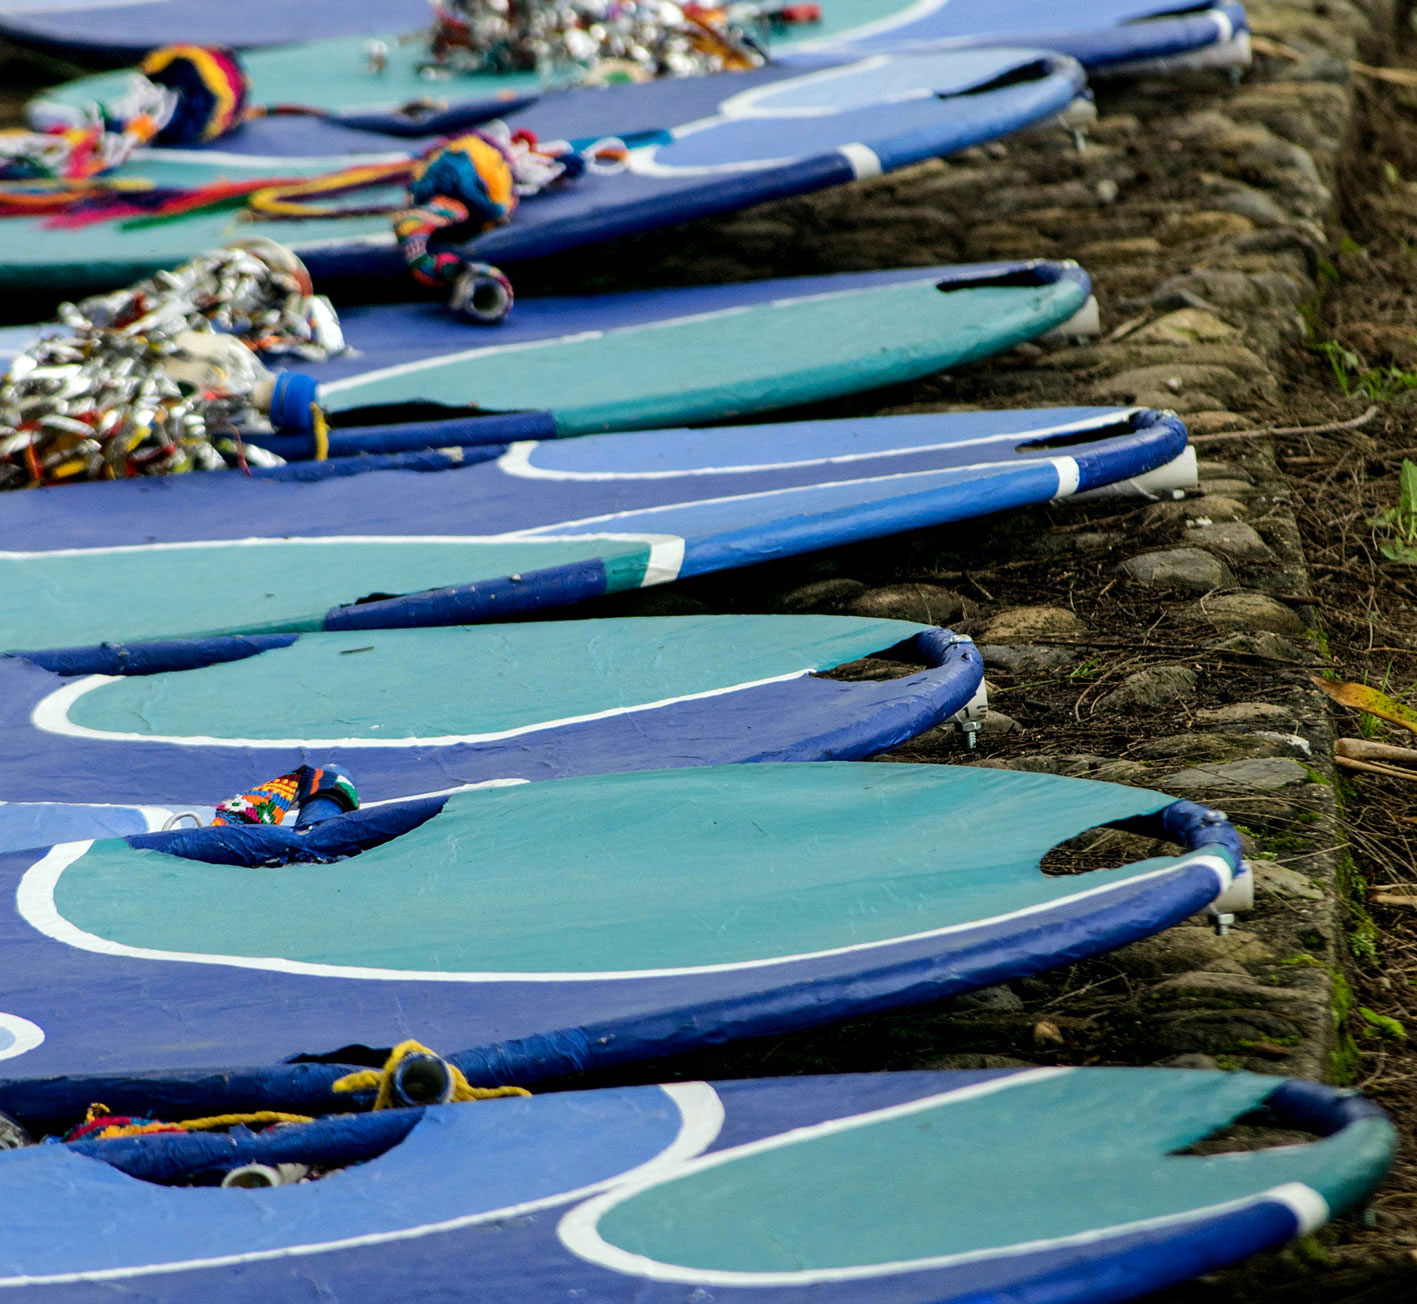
column 212, row 89
column 269, row 803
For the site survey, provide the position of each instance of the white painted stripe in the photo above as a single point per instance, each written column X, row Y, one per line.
column 701, row 1120
column 517, row 460
column 1311, row 1211
column 635, row 512
column 666, row 559
column 51, row 713
column 377, row 240
column 267, row 162
column 25, row 1035
column 906, row 16
column 865, row 162
column 1069, row 476
column 449, row 359
column 34, row 901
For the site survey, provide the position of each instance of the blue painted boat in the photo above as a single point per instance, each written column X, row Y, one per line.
column 552, row 928
column 173, row 727
column 1057, row 1186
column 576, row 365
column 330, row 69
column 341, row 545
column 700, row 147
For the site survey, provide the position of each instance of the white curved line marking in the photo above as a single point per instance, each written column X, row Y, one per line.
column 701, row 1120
column 51, row 714
column 35, row 904
column 517, row 459
column 24, row 1035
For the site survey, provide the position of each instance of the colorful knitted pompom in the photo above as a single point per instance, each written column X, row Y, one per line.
column 212, row 88
column 271, row 802
column 473, row 171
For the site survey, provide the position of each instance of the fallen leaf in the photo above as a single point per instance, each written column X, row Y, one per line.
column 1362, row 698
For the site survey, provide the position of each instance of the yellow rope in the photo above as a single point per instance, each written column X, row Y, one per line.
column 282, row 200
column 321, row 430
column 383, row 1080
column 263, row 1117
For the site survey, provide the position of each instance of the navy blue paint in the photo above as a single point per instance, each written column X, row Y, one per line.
column 154, row 658
column 496, row 429
column 284, row 844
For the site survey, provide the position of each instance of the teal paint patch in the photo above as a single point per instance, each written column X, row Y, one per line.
column 56, row 600
column 665, row 870
column 1048, row 1158
column 478, row 679
column 766, row 357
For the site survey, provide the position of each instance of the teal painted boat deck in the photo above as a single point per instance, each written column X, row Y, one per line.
column 731, row 363
column 1029, row 1161
column 676, row 870
column 386, row 685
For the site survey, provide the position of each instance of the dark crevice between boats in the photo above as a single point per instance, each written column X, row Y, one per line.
column 1028, row 276
column 1074, row 438
column 1181, row 11
column 1035, row 71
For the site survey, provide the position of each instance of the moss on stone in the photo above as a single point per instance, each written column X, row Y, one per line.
column 1384, row 1025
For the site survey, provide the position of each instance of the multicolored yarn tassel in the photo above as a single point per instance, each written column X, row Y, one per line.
column 183, row 95
column 211, row 88
column 271, row 802
column 469, row 186
column 101, row 1125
